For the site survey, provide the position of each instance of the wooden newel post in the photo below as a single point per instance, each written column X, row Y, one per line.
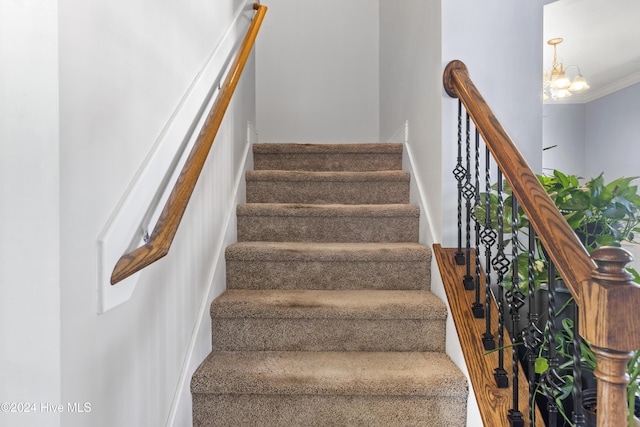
column 610, row 321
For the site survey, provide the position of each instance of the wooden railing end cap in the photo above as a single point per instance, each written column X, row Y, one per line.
column 447, row 76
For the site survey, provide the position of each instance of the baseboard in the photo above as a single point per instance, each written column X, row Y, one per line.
column 418, row 195
column 200, row 341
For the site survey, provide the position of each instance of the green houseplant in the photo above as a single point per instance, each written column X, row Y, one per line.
column 601, row 214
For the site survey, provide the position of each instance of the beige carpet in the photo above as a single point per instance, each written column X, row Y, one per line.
column 328, row 319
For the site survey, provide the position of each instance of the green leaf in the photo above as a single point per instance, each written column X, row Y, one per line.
column 577, row 202
column 562, row 178
column 626, row 203
column 575, row 219
column 541, row 365
column 605, row 240
column 621, row 184
column 615, row 211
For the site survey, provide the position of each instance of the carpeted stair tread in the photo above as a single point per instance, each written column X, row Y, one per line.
column 364, row 148
column 327, row 176
column 282, row 222
column 335, row 373
column 277, row 186
column 327, row 252
column 328, row 320
column 304, row 265
column 327, row 304
column 329, row 210
column 328, row 157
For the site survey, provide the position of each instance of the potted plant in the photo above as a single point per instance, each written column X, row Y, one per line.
column 601, row 214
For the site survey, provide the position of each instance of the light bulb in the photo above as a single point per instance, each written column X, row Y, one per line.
column 560, row 93
column 579, row 84
column 562, row 81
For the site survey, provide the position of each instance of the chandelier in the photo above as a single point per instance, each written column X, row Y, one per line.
column 557, row 84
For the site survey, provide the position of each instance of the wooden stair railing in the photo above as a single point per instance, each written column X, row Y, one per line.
column 607, row 300
column 159, row 242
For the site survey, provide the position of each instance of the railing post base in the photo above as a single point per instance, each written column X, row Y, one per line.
column 515, row 418
column 488, row 341
column 478, row 310
column 501, row 377
column 469, row 283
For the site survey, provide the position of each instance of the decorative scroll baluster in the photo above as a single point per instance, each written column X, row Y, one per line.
column 477, row 307
column 578, row 412
column 501, row 265
column 488, row 236
column 515, row 299
column 551, row 381
column 459, row 173
column 468, row 191
column 532, row 336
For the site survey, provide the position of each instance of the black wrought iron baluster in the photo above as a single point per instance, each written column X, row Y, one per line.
column 468, row 191
column 578, row 412
column 477, row 307
column 488, row 237
column 501, row 265
column 552, row 383
column 459, row 174
column 532, row 336
column 515, row 298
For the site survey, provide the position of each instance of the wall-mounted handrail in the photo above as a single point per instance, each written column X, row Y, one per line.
column 159, row 242
column 569, row 255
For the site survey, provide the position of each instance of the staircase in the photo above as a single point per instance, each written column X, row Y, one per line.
column 328, row 319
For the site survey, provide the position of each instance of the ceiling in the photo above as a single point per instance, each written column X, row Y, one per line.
column 602, row 37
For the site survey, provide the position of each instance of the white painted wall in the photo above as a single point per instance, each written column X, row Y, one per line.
column 596, row 137
column 123, row 71
column 564, row 126
column 417, row 40
column 317, row 72
column 86, row 88
column 499, row 41
column 29, row 211
column 410, row 87
column 612, row 135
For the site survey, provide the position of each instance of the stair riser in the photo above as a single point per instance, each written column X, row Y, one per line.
column 327, row 192
column 327, row 229
column 354, row 162
column 258, row 334
column 322, row 410
column 327, row 275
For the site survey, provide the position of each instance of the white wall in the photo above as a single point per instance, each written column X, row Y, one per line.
column 564, row 126
column 29, row 211
column 596, row 137
column 123, row 71
column 317, row 72
column 417, row 40
column 612, row 135
column 500, row 42
column 86, row 88
column 410, row 87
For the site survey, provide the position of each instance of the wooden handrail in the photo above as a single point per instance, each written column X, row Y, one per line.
column 604, row 293
column 165, row 229
column 565, row 250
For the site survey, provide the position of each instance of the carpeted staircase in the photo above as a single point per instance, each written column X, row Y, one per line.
column 328, row 319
